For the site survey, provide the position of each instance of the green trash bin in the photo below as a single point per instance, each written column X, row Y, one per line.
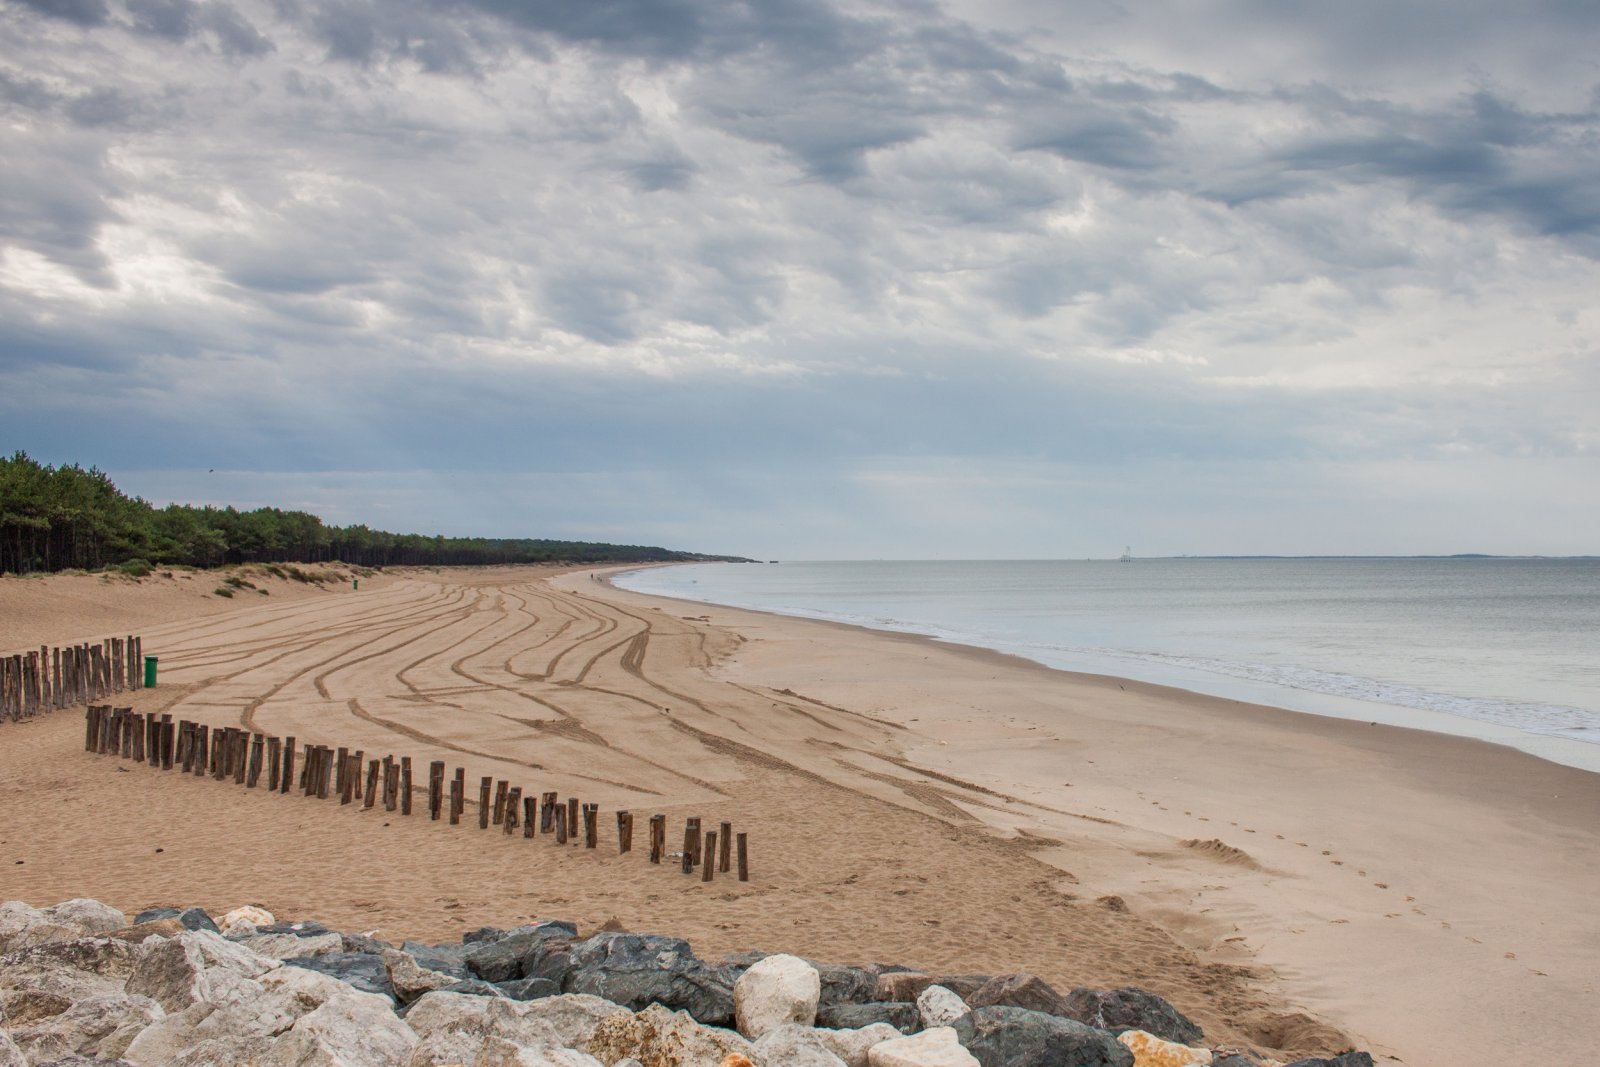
column 150, row 672
column 355, row 583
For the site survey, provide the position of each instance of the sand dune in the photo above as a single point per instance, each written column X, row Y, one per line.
column 1285, row 880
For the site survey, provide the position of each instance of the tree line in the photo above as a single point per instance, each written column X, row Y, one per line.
column 63, row 518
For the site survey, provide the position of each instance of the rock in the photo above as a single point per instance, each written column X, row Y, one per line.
column 963, row 985
column 10, row 1054
column 409, row 980
column 1016, row 1037
column 900, row 985
column 252, row 914
column 47, row 979
column 938, row 1047
column 903, row 1017
column 657, row 1037
column 1346, row 1059
column 529, row 988
column 446, row 1047
column 357, row 969
column 475, row 988
column 292, row 946
column 732, row 1059
column 852, row 1046
column 303, row 928
column 446, row 959
column 482, row 935
column 777, row 990
column 1131, row 1008
column 507, row 957
column 794, row 1045
column 195, row 967
column 439, row 1011
column 99, row 1026
column 635, row 970
column 24, row 926
column 1236, row 1059
column 550, row 958
column 190, row 918
column 566, row 1021
column 363, row 943
column 938, row 1006
column 139, row 933
column 1019, row 991
column 845, row 985
column 286, row 1016
column 498, row 1052
column 1150, row 1051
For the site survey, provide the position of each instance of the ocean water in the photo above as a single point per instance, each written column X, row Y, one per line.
column 1503, row 649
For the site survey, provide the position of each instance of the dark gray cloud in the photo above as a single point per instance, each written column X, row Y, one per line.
column 84, row 12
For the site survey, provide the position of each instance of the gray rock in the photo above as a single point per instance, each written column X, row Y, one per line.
column 410, row 980
column 10, row 1054
column 191, row 918
column 549, row 958
column 1237, row 1059
column 529, row 988
column 359, row 969
column 196, row 967
column 363, row 943
column 636, row 970
column 903, row 1017
column 1346, row 1059
column 1131, row 1008
column 842, row 984
column 304, row 928
column 1016, row 1037
column 101, row 1026
column 511, row 956
column 472, row 987
column 1019, row 991
column 482, row 935
column 963, row 985
column 282, row 946
column 446, row 959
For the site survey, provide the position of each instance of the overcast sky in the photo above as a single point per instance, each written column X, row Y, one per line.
column 793, row 279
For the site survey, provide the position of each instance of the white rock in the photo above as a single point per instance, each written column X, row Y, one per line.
column 10, row 1054
column 441, row 1011
column 938, row 1047
column 249, row 913
column 498, row 1052
column 777, row 990
column 794, row 1045
column 291, row 947
column 89, row 916
column 565, row 1021
column 657, row 1037
column 851, row 1046
column 443, row 1048
column 95, row 1027
column 352, row 1028
column 939, row 1006
column 196, row 966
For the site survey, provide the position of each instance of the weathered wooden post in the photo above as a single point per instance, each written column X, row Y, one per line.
column 591, row 825
column 391, row 783
column 405, row 785
column 725, row 842
column 500, row 801
column 744, row 857
column 370, row 797
column 711, row 860
column 435, row 789
column 258, row 747
column 692, row 842
column 624, row 831
column 572, row 818
column 485, row 784
column 458, row 796
column 530, row 814
column 513, row 802
column 658, row 837
column 561, row 825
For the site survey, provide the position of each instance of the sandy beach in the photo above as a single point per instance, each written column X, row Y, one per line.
column 1295, row 884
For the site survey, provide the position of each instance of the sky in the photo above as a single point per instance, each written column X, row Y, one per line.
column 811, row 280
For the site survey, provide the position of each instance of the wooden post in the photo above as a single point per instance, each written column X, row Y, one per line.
column 435, row 789
column 371, row 796
column 658, row 837
column 325, row 777
column 288, row 765
column 547, row 818
column 258, row 745
column 572, row 818
column 349, row 772
column 692, row 842
column 391, row 784
column 561, row 825
column 500, row 801
column 405, row 785
column 274, row 763
column 744, row 857
column 169, row 741
column 725, row 841
column 711, row 860
column 127, row 732
column 485, row 784
column 141, row 730
column 624, row 831
column 591, row 825
column 530, row 814
column 202, row 745
column 458, row 795
column 513, row 802
column 341, row 778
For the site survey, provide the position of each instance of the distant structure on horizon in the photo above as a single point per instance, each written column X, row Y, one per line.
column 1127, row 555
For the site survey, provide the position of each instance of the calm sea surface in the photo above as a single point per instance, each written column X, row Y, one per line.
column 1507, row 650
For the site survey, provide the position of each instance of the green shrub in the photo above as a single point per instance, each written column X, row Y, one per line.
column 238, row 582
column 223, row 590
column 135, row 568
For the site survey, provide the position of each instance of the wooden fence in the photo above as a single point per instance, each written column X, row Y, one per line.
column 32, row 683
column 229, row 754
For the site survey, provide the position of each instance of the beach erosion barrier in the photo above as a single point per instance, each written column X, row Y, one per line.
column 52, row 679
column 243, row 757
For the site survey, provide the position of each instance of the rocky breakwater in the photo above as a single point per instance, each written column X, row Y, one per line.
column 81, row 984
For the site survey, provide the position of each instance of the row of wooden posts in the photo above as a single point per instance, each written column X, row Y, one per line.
column 32, row 683
column 229, row 753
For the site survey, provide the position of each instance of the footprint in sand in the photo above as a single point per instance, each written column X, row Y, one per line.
column 1383, row 885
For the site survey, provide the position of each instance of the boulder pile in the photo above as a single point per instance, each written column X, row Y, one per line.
column 80, row 984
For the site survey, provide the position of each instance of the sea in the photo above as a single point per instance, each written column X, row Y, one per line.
column 1505, row 650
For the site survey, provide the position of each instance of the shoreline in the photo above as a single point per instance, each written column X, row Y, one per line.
column 1553, row 748
column 908, row 800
